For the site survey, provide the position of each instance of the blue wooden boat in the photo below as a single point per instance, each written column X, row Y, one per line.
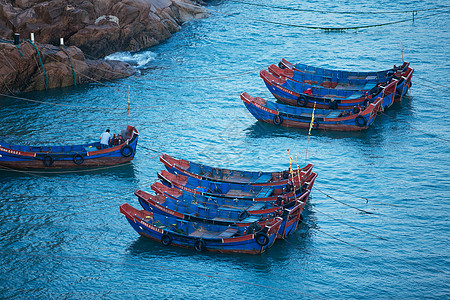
column 122, row 150
column 261, row 205
column 356, row 84
column 340, row 74
column 295, row 93
column 233, row 190
column 227, row 216
column 403, row 74
column 200, row 171
column 242, row 215
column 170, row 230
column 300, row 117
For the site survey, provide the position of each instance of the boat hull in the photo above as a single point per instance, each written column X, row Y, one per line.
column 67, row 157
column 293, row 117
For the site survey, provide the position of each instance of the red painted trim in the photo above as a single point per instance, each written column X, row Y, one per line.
column 17, row 152
column 251, row 100
column 152, row 201
column 238, row 239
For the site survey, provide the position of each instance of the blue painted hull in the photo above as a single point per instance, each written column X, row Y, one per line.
column 230, row 190
column 290, row 213
column 293, row 93
column 200, row 171
column 342, row 74
column 201, row 236
column 68, row 157
column 300, row 117
column 336, row 82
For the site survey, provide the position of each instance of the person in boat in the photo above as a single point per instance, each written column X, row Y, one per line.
column 105, row 138
column 308, row 92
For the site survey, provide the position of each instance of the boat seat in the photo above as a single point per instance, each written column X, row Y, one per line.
column 257, row 206
column 203, row 233
column 227, row 233
column 334, row 114
column 250, row 219
column 265, row 192
column 264, row 178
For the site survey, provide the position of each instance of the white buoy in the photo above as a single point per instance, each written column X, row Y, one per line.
column 61, row 41
column 32, row 37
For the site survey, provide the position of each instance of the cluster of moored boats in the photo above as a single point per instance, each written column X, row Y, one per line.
column 327, row 99
column 221, row 210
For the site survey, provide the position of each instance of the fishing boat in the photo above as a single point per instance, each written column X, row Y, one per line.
column 121, row 150
column 304, row 95
column 291, row 116
column 235, row 190
column 403, row 74
column 188, row 195
column 330, row 73
column 326, row 81
column 175, row 231
column 200, row 171
column 225, row 215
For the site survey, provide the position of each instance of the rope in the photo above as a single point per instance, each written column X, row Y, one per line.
column 40, row 60
column 150, row 149
column 426, row 133
column 71, row 65
column 6, row 41
column 18, row 49
column 434, row 83
column 341, row 12
column 339, row 29
column 341, row 240
column 351, row 226
column 361, row 210
column 364, row 198
column 65, row 172
column 58, row 104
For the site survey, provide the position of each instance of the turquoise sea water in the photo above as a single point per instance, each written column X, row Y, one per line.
column 62, row 236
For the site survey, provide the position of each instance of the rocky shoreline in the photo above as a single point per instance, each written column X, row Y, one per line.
column 89, row 28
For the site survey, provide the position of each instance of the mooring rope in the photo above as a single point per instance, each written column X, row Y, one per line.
column 413, row 128
column 432, row 82
column 351, row 226
column 341, row 29
column 341, row 240
column 364, row 198
column 71, row 65
column 340, row 12
column 359, row 209
column 40, row 60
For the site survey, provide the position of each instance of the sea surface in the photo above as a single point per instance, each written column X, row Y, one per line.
column 377, row 225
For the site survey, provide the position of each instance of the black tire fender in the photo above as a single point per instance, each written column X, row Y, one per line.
column 166, row 239
column 47, row 160
column 360, row 121
column 200, row 245
column 315, row 124
column 78, row 159
column 302, row 101
column 261, row 238
column 277, row 120
column 126, row 151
